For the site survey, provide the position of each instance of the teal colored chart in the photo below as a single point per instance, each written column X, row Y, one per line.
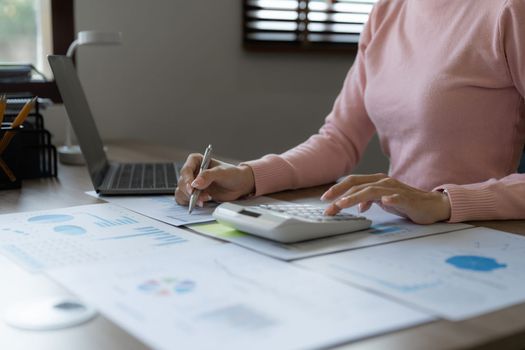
column 382, row 229
column 166, row 286
column 50, row 218
column 159, row 237
column 475, row 263
column 103, row 222
column 400, row 287
column 70, row 230
column 184, row 286
column 16, row 231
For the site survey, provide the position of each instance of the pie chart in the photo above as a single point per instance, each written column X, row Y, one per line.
column 475, row 263
column 69, row 230
column 50, row 218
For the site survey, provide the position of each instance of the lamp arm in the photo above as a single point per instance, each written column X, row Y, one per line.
column 72, row 48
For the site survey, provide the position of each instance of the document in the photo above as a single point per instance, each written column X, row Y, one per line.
column 48, row 239
column 385, row 228
column 162, row 208
column 230, row 298
column 165, row 209
column 456, row 275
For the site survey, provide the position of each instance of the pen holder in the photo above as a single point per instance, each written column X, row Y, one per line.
column 9, row 158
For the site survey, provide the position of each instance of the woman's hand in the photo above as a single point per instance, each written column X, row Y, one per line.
column 220, row 182
column 393, row 196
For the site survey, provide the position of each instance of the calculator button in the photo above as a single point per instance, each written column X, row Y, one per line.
column 307, row 212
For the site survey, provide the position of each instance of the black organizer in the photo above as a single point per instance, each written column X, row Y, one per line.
column 31, row 154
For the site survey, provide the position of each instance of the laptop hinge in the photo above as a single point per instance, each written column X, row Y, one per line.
column 109, row 174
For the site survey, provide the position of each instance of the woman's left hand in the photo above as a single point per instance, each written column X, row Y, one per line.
column 393, row 196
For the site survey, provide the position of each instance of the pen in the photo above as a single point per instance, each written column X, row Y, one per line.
column 204, row 165
column 7, row 170
column 20, row 118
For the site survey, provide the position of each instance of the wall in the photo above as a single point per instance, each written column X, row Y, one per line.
column 181, row 78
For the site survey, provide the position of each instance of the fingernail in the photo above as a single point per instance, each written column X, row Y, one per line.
column 196, row 183
column 323, row 197
column 208, row 198
column 189, row 189
column 359, row 208
column 200, row 204
column 329, row 210
column 329, row 213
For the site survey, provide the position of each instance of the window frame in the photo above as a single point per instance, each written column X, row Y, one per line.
column 290, row 46
column 63, row 33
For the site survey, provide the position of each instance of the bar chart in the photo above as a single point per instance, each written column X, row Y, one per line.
column 158, row 236
column 103, row 222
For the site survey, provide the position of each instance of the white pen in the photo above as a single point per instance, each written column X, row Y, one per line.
column 204, row 165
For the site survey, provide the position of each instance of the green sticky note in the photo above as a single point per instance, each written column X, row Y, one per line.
column 217, row 230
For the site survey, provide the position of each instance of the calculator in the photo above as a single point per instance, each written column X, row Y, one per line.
column 288, row 223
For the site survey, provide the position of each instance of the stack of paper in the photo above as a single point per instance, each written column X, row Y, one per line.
column 85, row 234
column 173, row 288
column 230, row 298
column 455, row 275
column 386, row 228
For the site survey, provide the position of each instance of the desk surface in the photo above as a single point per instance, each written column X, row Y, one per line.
column 504, row 329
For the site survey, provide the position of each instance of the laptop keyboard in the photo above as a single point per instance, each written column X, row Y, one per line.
column 145, row 176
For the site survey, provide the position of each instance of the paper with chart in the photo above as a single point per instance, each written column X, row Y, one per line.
column 385, row 228
column 230, row 298
column 161, row 207
column 165, row 209
column 457, row 275
column 48, row 239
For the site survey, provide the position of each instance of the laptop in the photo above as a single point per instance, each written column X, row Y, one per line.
column 108, row 178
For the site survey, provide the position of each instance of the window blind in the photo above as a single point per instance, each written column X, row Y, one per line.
column 305, row 23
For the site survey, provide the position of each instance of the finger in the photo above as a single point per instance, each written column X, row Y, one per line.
column 392, row 200
column 207, row 177
column 332, row 209
column 187, row 172
column 204, row 197
column 349, row 182
column 369, row 193
column 384, row 182
column 364, row 206
column 192, row 164
column 181, row 197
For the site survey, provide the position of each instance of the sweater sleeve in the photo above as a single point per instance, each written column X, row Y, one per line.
column 495, row 199
column 334, row 150
column 498, row 199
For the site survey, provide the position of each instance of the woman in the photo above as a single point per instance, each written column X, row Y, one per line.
column 443, row 84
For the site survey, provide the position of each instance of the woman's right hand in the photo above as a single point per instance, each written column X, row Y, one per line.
column 221, row 182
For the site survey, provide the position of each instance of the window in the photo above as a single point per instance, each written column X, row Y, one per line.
column 29, row 31
column 305, row 24
column 25, row 34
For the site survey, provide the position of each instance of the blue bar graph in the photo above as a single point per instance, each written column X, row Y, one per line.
column 158, row 236
column 123, row 220
column 171, row 242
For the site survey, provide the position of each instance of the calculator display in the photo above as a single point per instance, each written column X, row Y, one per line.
column 249, row 213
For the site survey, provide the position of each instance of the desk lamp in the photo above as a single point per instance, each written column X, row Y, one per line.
column 69, row 153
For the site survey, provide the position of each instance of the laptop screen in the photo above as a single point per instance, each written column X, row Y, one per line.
column 80, row 116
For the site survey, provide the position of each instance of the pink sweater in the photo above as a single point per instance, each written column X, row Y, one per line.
column 442, row 83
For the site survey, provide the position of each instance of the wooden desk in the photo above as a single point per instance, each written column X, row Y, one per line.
column 504, row 329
